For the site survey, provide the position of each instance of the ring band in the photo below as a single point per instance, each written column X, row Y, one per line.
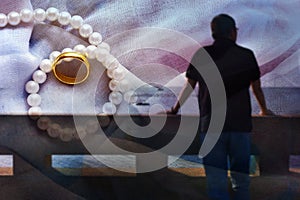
column 67, row 79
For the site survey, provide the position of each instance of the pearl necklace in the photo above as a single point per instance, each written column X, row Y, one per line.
column 99, row 50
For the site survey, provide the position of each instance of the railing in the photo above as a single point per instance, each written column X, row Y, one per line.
column 274, row 140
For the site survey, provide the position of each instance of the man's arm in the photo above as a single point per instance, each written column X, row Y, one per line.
column 259, row 95
column 184, row 94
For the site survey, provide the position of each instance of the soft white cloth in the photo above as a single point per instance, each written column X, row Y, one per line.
column 149, row 37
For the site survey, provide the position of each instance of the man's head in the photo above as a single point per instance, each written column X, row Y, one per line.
column 223, row 26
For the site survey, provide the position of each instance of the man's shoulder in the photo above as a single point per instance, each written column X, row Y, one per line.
column 208, row 47
column 235, row 49
column 243, row 49
column 204, row 50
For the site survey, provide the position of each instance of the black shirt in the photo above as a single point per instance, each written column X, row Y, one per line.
column 238, row 67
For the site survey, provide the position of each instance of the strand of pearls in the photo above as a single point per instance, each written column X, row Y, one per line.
column 120, row 89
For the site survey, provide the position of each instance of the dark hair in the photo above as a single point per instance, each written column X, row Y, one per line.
column 222, row 25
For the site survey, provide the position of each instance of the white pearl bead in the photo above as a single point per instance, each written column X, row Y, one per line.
column 104, row 45
column 130, row 97
column 109, row 73
column 54, row 55
column 113, row 65
column 43, row 123
column 67, row 50
column 52, row 14
column 101, row 54
column 95, row 38
column 39, row 76
column 46, row 66
column 54, row 130
column 91, row 51
column 3, row 20
column 113, row 85
column 64, row 18
column 14, row 18
column 92, row 126
column 115, row 97
column 34, row 100
column 124, row 86
column 39, row 15
column 85, row 30
column 32, row 87
column 109, row 108
column 35, row 111
column 66, row 135
column 76, row 21
column 118, row 73
column 80, row 48
column 108, row 60
column 26, row 15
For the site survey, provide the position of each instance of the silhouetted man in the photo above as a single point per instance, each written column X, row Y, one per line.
column 239, row 70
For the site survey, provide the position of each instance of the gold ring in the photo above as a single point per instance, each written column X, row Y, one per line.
column 67, row 79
